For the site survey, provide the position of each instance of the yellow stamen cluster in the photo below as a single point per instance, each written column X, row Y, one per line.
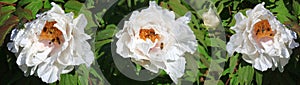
column 51, row 33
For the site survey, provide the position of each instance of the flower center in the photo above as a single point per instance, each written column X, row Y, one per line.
column 148, row 33
column 51, row 33
column 262, row 31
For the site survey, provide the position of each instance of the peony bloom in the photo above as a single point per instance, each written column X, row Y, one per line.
column 155, row 40
column 211, row 19
column 52, row 44
column 263, row 40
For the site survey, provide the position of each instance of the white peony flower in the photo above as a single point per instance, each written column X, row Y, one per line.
column 155, row 40
column 52, row 44
column 211, row 19
column 263, row 40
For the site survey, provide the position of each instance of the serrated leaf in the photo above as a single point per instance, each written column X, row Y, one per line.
column 8, row 1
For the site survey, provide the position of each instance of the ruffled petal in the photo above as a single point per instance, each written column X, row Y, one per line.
column 176, row 69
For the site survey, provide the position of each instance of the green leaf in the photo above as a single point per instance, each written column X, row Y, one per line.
column 220, row 8
column 245, row 74
column 95, row 73
column 68, row 79
column 5, row 13
column 7, row 21
column 24, row 13
column 90, row 4
column 258, row 78
column 129, row 3
column 215, row 42
column 47, row 4
column 200, row 36
column 283, row 13
column 232, row 65
column 73, row 6
column 202, row 51
column 99, row 44
column 83, row 75
column 191, row 67
column 296, row 7
column 177, row 7
column 235, row 4
column 62, row 1
column 8, row 1
column 233, row 62
column 34, row 6
column 234, row 81
column 107, row 33
column 24, row 2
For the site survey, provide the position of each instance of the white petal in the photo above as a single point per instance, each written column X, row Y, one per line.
column 185, row 19
column 67, row 69
column 56, row 8
column 48, row 73
column 122, row 49
column 175, row 69
column 80, row 22
column 262, row 63
column 233, row 43
column 211, row 19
